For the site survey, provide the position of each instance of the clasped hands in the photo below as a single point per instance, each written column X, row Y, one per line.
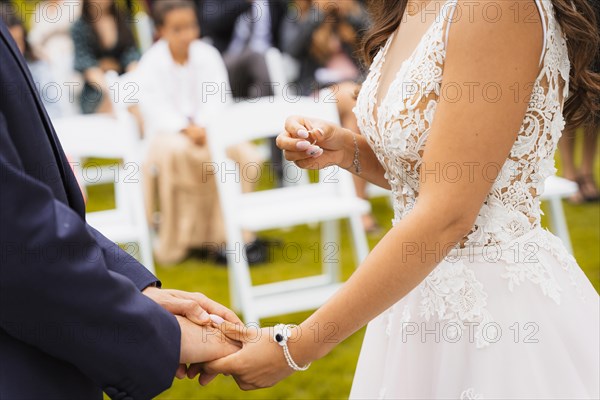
column 223, row 344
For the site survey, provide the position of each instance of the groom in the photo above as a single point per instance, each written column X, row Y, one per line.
column 78, row 315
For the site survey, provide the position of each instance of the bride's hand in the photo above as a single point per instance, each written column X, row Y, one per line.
column 261, row 362
column 331, row 144
column 203, row 343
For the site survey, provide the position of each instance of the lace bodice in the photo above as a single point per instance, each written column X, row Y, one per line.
column 399, row 133
column 463, row 313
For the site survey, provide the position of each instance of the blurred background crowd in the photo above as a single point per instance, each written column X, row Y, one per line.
column 172, row 49
column 190, row 59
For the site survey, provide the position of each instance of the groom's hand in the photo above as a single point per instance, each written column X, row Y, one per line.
column 203, row 343
column 194, row 306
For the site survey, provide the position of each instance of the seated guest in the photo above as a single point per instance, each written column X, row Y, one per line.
column 243, row 30
column 40, row 70
column 324, row 37
column 50, row 39
column 103, row 42
column 175, row 76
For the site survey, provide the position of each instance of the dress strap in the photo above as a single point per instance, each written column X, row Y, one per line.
column 540, row 8
column 451, row 4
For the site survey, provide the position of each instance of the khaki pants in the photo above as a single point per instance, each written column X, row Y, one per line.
column 177, row 174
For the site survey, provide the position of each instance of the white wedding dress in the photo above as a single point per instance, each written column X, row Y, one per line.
column 511, row 315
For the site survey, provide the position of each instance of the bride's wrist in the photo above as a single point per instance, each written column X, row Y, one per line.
column 303, row 348
column 348, row 149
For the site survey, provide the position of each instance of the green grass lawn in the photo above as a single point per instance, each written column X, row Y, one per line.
column 330, row 377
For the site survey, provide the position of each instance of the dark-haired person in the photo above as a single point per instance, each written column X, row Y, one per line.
column 183, row 81
column 39, row 68
column 103, row 42
column 584, row 175
column 324, row 36
column 467, row 296
column 243, row 30
column 50, row 39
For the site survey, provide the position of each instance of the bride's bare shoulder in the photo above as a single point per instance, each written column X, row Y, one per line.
column 504, row 29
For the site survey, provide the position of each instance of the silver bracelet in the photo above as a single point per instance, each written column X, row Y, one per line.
column 356, row 161
column 281, row 335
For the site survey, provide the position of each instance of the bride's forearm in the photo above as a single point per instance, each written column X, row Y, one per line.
column 370, row 167
column 399, row 262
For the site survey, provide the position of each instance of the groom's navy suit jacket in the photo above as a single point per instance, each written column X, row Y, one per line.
column 73, row 320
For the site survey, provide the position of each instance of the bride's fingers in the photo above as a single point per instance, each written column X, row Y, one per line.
column 197, row 369
column 295, row 149
column 205, row 378
column 297, row 126
column 312, row 152
column 194, row 370
column 189, row 309
column 313, row 130
column 237, row 332
column 234, row 342
column 208, row 304
column 181, row 372
column 286, row 142
column 225, row 365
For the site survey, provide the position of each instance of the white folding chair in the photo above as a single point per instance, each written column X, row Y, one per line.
column 282, row 69
column 331, row 199
column 556, row 189
column 276, row 69
column 280, row 83
column 375, row 191
column 105, row 137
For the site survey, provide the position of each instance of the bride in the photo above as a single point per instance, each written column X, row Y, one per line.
column 467, row 296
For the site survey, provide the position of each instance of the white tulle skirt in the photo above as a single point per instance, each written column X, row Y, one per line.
column 521, row 321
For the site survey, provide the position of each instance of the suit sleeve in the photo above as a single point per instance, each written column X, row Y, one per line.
column 119, row 261
column 57, row 293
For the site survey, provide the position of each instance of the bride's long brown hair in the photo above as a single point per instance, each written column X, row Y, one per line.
column 578, row 22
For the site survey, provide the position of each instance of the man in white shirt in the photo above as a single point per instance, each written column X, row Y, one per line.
column 182, row 82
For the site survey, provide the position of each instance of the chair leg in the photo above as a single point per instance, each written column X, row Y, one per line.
column 329, row 250
column 234, row 290
column 559, row 222
column 240, row 281
column 359, row 239
column 146, row 252
column 141, row 220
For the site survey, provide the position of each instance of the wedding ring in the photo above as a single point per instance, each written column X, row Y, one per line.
column 312, row 139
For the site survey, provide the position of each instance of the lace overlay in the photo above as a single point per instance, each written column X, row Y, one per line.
column 453, row 294
column 398, row 136
column 470, row 394
column 399, row 133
